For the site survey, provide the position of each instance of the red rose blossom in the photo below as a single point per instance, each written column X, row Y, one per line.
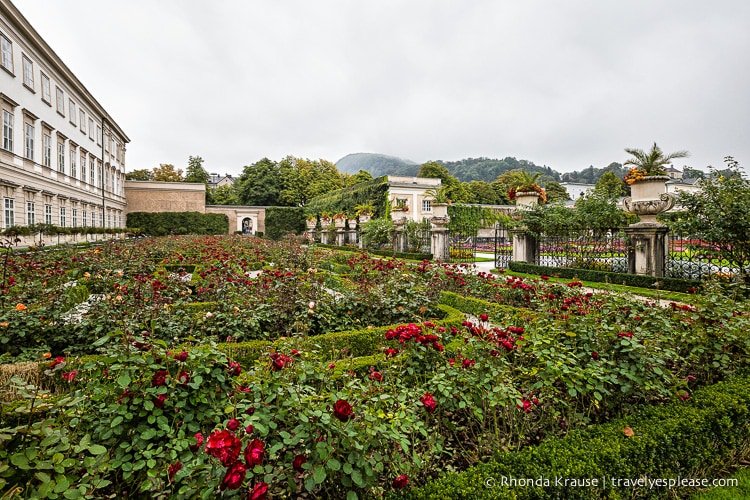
column 233, row 424
column 401, row 481
column 199, row 442
column 173, row 470
column 182, row 357
column 225, row 446
column 254, row 452
column 342, row 410
column 259, row 492
column 69, row 376
column 429, row 402
column 297, row 463
column 234, row 476
column 159, row 400
column 159, row 378
column 234, row 368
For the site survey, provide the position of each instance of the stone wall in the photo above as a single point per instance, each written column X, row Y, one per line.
column 146, row 196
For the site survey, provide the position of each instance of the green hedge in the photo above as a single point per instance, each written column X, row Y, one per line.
column 638, row 280
column 470, row 305
column 383, row 253
column 164, row 223
column 693, row 439
column 283, row 220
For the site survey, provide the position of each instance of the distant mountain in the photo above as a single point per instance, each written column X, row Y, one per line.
column 376, row 164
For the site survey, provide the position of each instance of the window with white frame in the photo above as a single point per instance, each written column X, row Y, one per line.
column 30, row 213
column 93, row 219
column 47, row 213
column 29, row 152
column 91, row 128
column 9, row 214
column 426, row 206
column 73, row 168
column 98, row 135
column 47, row 150
column 7, row 130
column 28, row 72
column 82, row 120
column 83, row 167
column 61, row 156
column 6, row 49
column 109, row 220
column 92, row 172
column 75, row 217
column 46, row 93
column 84, row 219
column 72, row 111
column 63, row 220
column 60, row 100
column 101, row 219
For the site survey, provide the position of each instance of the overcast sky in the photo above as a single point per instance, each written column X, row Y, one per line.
column 565, row 84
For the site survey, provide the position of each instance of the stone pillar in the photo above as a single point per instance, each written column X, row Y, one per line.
column 340, row 237
column 399, row 236
column 439, row 241
column 648, row 250
column 525, row 246
column 324, row 237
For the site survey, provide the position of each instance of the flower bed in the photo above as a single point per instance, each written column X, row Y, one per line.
column 335, row 414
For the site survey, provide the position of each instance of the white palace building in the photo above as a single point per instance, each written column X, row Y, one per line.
column 62, row 157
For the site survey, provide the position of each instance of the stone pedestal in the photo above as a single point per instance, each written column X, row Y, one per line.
column 439, row 241
column 399, row 236
column 525, row 246
column 340, row 237
column 324, row 237
column 648, row 248
column 352, row 236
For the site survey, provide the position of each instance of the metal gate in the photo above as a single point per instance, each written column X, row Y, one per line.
column 503, row 246
column 463, row 244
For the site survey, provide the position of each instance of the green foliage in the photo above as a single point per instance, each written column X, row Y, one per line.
column 555, row 192
column 470, row 218
column 591, row 175
column 693, row 439
column 167, row 173
column 652, row 161
column 260, row 184
column 609, row 187
column 638, row 280
column 163, row 223
column 719, row 215
column 346, row 200
column 195, row 171
column 142, row 174
column 226, row 194
column 377, row 233
column 283, row 220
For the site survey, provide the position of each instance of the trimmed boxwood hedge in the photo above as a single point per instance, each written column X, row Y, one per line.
column 164, row 223
column 283, row 220
column 638, row 280
column 693, row 439
column 384, row 253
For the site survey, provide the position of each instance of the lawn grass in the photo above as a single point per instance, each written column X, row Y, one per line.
column 742, row 490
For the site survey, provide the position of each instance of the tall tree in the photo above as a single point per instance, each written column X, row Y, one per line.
column 654, row 160
column 260, row 184
column 556, row 192
column 226, row 194
column 167, row 173
column 195, row 171
column 142, row 174
column 609, row 186
column 303, row 179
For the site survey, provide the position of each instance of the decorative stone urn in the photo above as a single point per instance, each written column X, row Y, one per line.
column 363, row 218
column 439, row 210
column 311, row 223
column 339, row 222
column 398, row 215
column 648, row 198
column 527, row 198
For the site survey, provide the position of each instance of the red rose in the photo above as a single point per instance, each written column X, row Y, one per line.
column 182, row 357
column 483, row 317
column 254, row 452
column 159, row 378
column 234, row 368
column 297, row 463
column 259, row 492
column 69, row 376
column 595, row 355
column 401, row 481
column 225, row 446
column 249, row 429
column 183, row 377
column 342, row 410
column 625, row 334
column 234, row 476
column 429, row 402
column 173, row 470
column 159, row 400
column 468, row 363
column 233, row 424
column 199, row 442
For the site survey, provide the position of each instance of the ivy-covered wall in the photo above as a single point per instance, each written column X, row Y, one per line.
column 346, row 200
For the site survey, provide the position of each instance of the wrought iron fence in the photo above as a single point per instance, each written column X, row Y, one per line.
column 418, row 239
column 503, row 246
column 585, row 250
column 463, row 244
column 691, row 258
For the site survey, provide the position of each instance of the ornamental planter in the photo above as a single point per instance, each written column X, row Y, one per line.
column 364, row 218
column 648, row 198
column 439, row 210
column 339, row 223
column 398, row 215
column 527, row 198
column 311, row 223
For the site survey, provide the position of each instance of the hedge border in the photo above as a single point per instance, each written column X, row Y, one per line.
column 637, row 280
column 383, row 253
column 689, row 439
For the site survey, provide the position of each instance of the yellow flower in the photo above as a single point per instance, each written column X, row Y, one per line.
column 4, row 324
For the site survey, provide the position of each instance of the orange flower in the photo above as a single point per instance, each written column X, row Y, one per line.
column 4, row 324
column 20, row 307
column 47, row 355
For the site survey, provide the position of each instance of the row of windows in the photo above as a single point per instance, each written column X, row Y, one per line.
column 112, row 179
column 79, row 218
column 86, row 123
